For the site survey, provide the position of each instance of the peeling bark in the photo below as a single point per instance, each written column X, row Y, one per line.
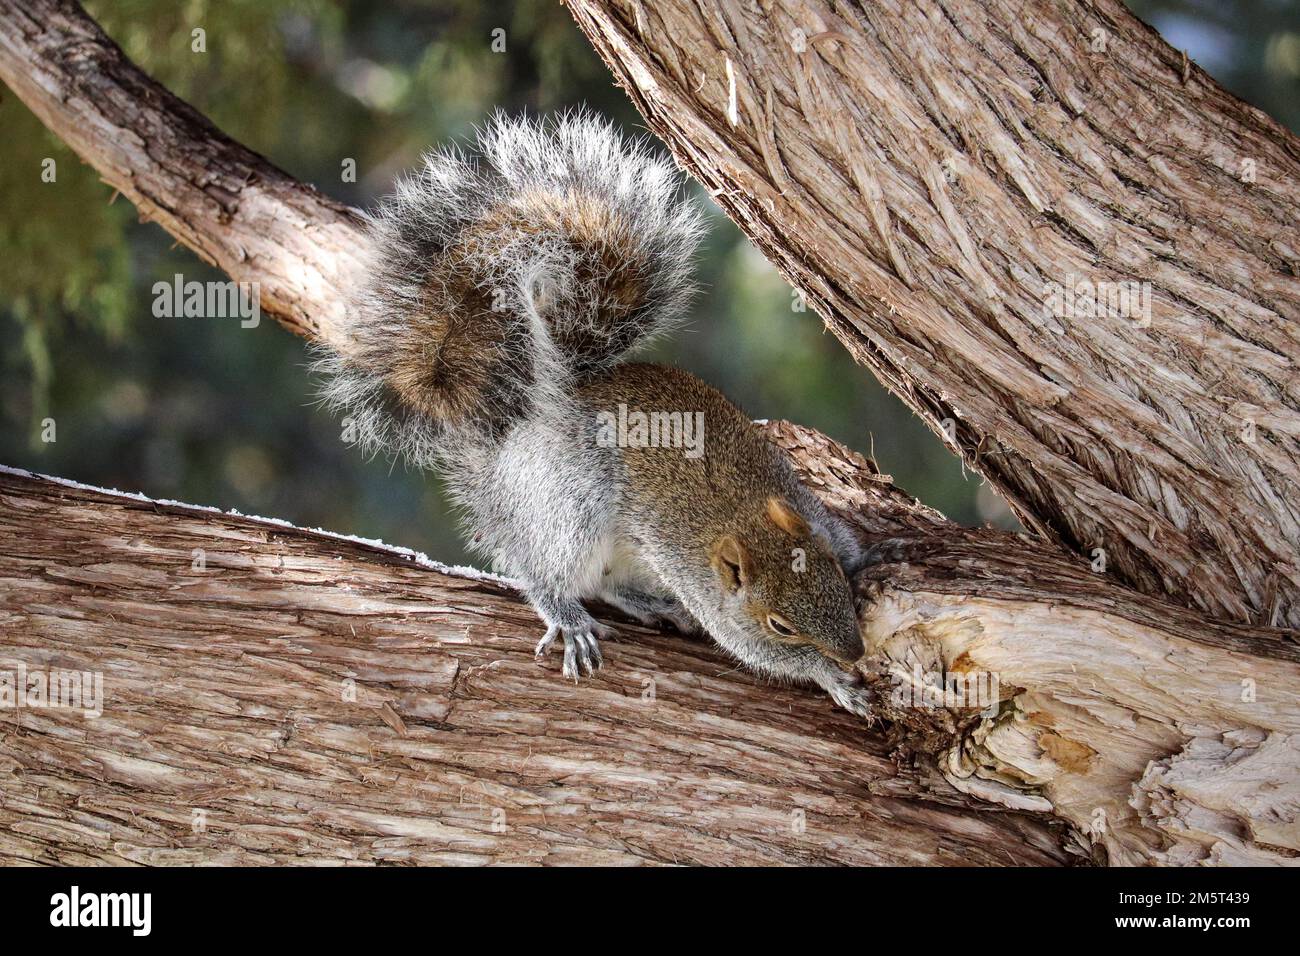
column 923, row 171
column 1162, row 737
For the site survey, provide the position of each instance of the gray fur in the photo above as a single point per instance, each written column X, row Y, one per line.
column 581, row 242
column 548, row 290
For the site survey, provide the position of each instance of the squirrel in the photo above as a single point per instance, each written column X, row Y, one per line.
column 487, row 341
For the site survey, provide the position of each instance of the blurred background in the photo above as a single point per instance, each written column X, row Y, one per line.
column 204, row 411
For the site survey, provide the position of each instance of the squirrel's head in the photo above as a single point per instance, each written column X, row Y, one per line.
column 786, row 578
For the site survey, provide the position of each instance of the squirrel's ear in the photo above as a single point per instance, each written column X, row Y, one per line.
column 782, row 514
column 731, row 561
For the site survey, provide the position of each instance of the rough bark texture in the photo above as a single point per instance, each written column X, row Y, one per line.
column 1161, row 736
column 305, row 698
column 1157, row 736
column 924, row 171
column 1155, row 733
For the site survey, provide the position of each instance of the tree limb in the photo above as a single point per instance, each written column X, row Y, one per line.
column 1163, row 736
column 231, row 206
column 1120, row 715
column 274, row 695
column 924, row 172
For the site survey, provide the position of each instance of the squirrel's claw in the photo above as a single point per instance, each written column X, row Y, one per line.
column 581, row 648
column 851, row 693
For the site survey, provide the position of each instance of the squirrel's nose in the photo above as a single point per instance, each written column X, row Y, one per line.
column 848, row 652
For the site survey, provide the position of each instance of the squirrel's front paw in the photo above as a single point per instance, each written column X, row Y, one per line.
column 684, row 621
column 850, row 692
column 581, row 645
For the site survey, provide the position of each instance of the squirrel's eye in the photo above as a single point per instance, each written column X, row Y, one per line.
column 780, row 626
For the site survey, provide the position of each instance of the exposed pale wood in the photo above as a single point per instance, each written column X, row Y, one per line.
column 922, row 170
column 1164, row 737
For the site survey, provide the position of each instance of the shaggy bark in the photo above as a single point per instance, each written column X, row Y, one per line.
column 1161, row 736
column 925, row 171
column 226, row 646
column 273, row 695
column 1157, row 734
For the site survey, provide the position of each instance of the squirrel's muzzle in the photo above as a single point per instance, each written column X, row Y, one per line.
column 847, row 651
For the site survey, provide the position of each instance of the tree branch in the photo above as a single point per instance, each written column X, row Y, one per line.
column 926, row 172
column 304, row 698
column 1165, row 737
column 231, row 206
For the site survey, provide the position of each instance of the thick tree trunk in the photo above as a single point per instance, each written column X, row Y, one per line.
column 1155, row 733
column 929, row 173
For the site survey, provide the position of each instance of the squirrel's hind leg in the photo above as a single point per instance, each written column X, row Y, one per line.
column 652, row 610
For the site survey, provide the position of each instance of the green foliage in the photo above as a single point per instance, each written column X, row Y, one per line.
column 240, row 77
column 55, row 281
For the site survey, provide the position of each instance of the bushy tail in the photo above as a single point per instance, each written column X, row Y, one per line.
column 497, row 281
